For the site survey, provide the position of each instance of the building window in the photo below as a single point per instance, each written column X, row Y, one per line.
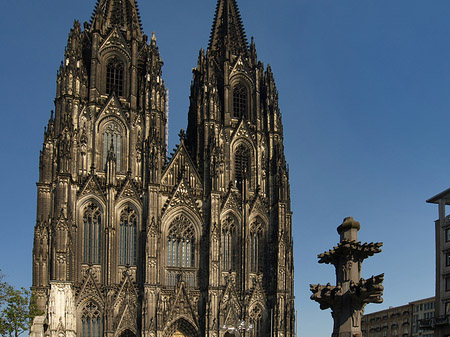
column 181, row 243
column 447, row 283
column 240, row 101
column 128, row 229
column 112, row 137
column 241, row 165
column 256, row 245
column 92, row 224
column 114, row 77
column 229, row 244
column 91, row 321
column 447, row 235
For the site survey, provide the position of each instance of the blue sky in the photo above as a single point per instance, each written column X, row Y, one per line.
column 364, row 92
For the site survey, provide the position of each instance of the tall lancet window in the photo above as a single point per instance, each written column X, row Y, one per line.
column 114, row 77
column 113, row 135
column 128, row 228
column 229, row 244
column 241, row 165
column 92, row 227
column 240, row 101
column 256, row 246
column 91, row 321
column 181, row 243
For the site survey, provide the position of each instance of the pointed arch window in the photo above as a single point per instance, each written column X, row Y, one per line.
column 240, row 101
column 91, row 321
column 241, row 164
column 256, row 246
column 92, row 224
column 181, row 243
column 256, row 313
column 229, row 244
column 112, row 135
column 114, row 77
column 128, row 230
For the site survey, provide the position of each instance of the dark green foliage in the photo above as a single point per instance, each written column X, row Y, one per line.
column 17, row 309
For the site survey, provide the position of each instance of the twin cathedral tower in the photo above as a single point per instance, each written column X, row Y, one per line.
column 132, row 242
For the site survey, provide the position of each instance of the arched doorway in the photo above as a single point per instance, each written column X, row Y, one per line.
column 181, row 328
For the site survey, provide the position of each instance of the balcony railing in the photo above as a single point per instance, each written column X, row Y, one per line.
column 430, row 323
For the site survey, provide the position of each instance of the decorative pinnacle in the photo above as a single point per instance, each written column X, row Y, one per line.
column 347, row 224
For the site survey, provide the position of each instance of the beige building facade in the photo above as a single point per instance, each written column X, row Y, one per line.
column 402, row 321
column 130, row 241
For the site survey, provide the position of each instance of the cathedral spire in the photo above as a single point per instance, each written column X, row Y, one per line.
column 228, row 33
column 116, row 13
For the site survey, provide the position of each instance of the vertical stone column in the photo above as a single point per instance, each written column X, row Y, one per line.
column 351, row 293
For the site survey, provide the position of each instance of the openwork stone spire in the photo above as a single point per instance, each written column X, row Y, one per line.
column 117, row 13
column 351, row 293
column 228, row 33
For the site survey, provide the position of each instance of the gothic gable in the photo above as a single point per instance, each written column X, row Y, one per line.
column 182, row 306
column 232, row 201
column 113, row 108
column 125, row 305
column 127, row 321
column 258, row 207
column 241, row 68
column 128, row 191
column 258, row 296
column 181, row 165
column 181, row 196
column 242, row 131
column 61, row 223
column 230, row 304
column 92, row 187
column 115, row 40
column 90, row 290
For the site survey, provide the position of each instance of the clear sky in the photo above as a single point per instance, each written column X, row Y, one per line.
column 364, row 93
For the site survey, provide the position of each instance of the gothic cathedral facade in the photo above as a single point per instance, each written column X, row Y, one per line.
column 131, row 241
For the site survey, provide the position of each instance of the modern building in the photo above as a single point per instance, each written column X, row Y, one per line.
column 402, row 321
column 132, row 242
column 441, row 322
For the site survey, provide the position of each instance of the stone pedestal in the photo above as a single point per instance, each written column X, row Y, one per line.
column 351, row 293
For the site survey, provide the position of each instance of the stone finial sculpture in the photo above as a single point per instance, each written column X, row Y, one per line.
column 351, row 293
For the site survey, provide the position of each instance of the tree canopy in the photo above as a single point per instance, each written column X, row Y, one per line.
column 17, row 309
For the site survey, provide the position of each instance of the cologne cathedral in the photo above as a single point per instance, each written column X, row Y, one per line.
column 131, row 241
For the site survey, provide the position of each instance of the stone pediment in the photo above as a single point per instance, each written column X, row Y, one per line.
column 258, row 296
column 242, row 131
column 128, row 191
column 258, row 207
column 230, row 302
column 126, row 298
column 232, row 201
column 90, row 289
column 113, row 108
column 127, row 320
column 182, row 306
column 115, row 39
column 181, row 196
column 92, row 187
column 240, row 67
column 181, row 165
